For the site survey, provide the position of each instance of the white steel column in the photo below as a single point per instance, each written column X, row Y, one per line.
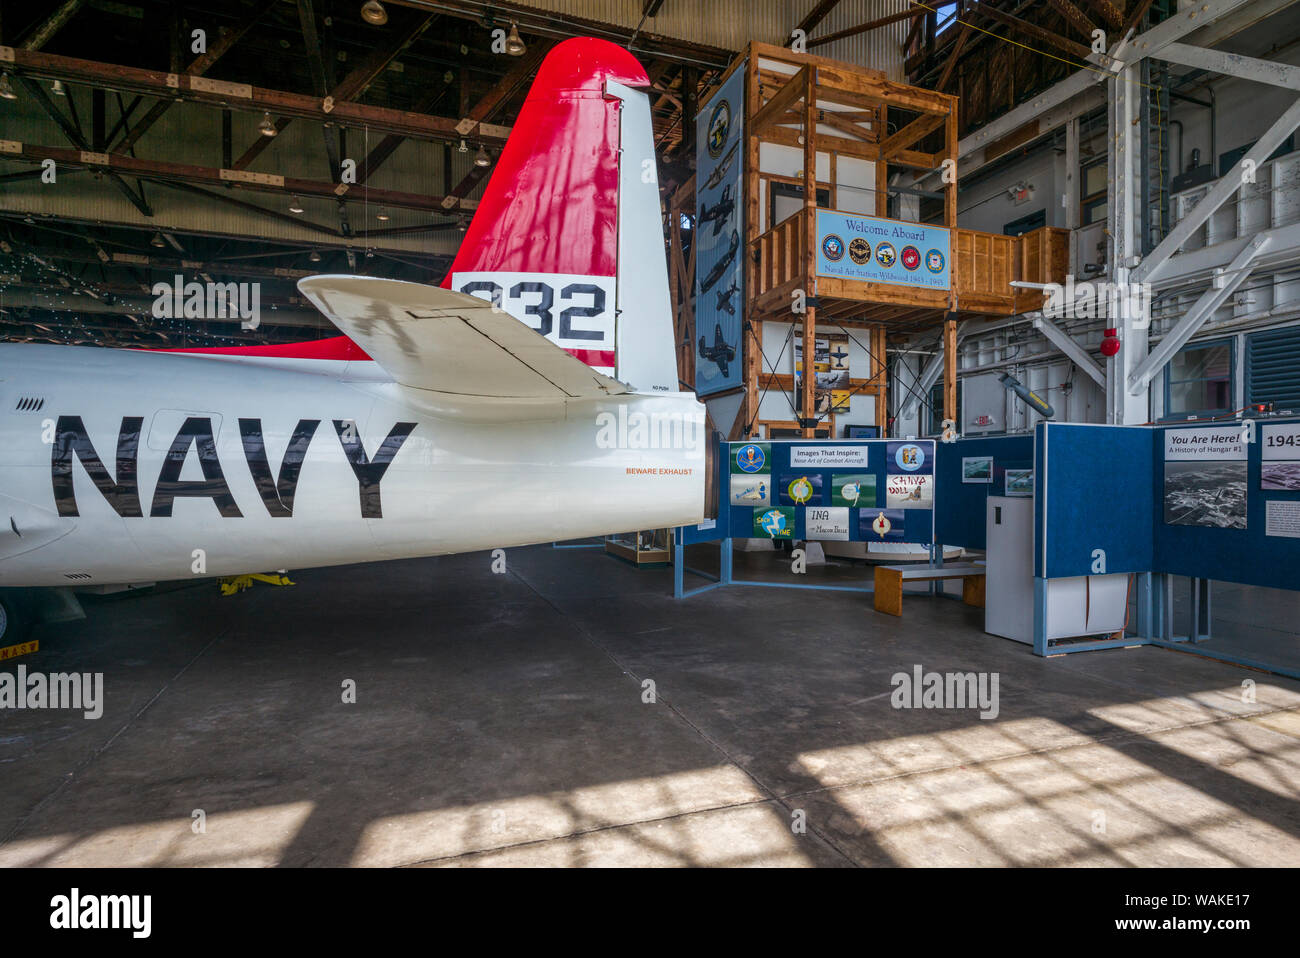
column 1072, row 192
column 1131, row 314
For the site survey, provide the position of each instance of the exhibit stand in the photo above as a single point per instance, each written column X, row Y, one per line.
column 1085, row 528
column 1217, row 501
column 869, row 490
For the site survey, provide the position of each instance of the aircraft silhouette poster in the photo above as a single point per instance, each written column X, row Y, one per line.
column 719, row 233
column 832, row 391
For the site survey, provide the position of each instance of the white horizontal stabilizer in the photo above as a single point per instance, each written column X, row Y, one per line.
column 431, row 338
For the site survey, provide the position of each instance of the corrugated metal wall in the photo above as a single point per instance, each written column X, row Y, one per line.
column 731, row 24
column 881, row 49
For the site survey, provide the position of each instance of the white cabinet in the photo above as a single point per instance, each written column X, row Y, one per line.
column 1009, row 568
column 1083, row 605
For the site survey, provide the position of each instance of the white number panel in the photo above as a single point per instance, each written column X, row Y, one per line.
column 574, row 312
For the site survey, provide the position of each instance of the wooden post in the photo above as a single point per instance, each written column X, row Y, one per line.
column 690, row 107
column 950, row 220
column 950, row 200
column 879, row 339
column 878, row 333
column 950, row 368
column 681, row 280
column 882, row 167
column 810, row 246
column 950, row 148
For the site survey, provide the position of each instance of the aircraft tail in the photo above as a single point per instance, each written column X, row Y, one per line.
column 568, row 236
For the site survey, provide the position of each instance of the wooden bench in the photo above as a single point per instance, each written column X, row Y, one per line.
column 890, row 578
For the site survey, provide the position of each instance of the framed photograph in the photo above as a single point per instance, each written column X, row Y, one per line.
column 1206, row 493
column 977, row 469
column 1020, row 482
column 1206, row 477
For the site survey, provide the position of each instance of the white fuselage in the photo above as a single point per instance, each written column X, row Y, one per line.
column 472, row 473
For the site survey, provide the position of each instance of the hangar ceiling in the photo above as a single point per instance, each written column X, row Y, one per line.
column 163, row 164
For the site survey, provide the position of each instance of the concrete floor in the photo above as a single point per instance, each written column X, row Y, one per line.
column 500, row 721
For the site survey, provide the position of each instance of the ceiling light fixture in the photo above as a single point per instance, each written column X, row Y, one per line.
column 515, row 45
column 266, row 127
column 464, row 147
column 314, row 257
column 373, row 12
column 481, row 158
column 295, row 205
column 382, row 216
column 6, row 89
column 57, row 88
column 158, row 240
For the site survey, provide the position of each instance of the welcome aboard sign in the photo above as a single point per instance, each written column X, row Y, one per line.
column 878, row 250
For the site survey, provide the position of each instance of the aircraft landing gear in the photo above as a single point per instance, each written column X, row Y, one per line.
column 14, row 621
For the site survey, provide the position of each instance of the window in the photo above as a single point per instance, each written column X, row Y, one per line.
column 1094, row 177
column 1199, row 382
column 1092, row 192
column 785, row 199
column 1026, row 223
column 936, row 408
column 945, row 16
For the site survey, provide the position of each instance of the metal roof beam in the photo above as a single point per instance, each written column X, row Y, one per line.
column 1100, row 67
column 114, row 163
column 219, row 48
column 1225, row 284
column 52, row 25
column 815, row 16
column 76, row 139
column 349, row 87
column 1070, row 346
column 241, row 96
column 1232, row 64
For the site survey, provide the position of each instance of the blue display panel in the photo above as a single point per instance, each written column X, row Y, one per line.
column 1200, row 499
column 1225, row 514
column 875, row 490
column 1091, row 496
column 962, row 486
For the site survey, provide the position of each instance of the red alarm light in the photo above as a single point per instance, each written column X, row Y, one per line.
column 1110, row 344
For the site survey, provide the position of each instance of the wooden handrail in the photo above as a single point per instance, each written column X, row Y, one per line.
column 983, row 267
column 780, row 252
